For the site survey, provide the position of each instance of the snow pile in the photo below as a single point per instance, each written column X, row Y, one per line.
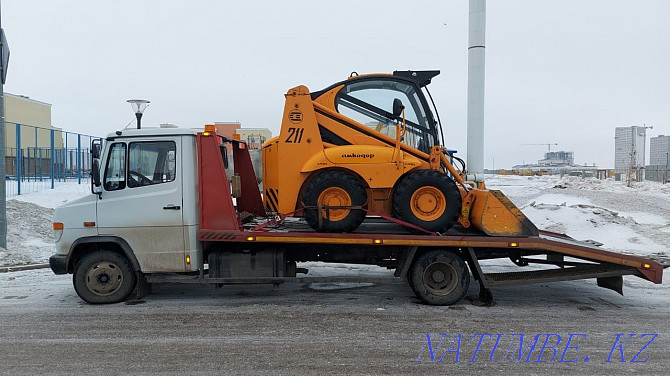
column 584, row 221
column 29, row 233
column 610, row 185
column 29, row 229
column 626, row 219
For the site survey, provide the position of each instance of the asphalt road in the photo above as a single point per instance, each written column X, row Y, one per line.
column 329, row 329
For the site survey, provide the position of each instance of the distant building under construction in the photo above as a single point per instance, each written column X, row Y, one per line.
column 659, row 159
column 557, row 163
column 558, row 158
column 629, row 151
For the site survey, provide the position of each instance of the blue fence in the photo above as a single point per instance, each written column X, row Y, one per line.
column 38, row 158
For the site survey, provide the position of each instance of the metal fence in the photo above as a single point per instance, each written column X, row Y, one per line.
column 38, row 158
column 660, row 173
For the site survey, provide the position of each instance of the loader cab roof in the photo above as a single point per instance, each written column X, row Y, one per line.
column 367, row 99
column 420, row 78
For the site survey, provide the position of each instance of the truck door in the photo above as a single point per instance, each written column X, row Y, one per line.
column 141, row 201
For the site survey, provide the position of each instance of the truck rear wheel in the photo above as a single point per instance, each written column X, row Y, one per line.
column 334, row 188
column 439, row 277
column 103, row 277
column 428, row 199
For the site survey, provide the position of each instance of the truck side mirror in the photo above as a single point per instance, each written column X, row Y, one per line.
column 95, row 175
column 397, row 108
column 95, row 149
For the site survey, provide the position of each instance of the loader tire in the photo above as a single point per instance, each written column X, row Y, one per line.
column 439, row 277
column 334, row 188
column 428, row 199
column 103, row 277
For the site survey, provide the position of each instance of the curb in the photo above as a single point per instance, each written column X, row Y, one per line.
column 17, row 268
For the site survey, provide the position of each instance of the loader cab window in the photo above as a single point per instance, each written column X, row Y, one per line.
column 370, row 102
column 151, row 163
column 115, row 171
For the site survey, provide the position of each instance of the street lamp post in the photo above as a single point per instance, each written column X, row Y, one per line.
column 138, row 105
column 665, row 173
column 645, row 145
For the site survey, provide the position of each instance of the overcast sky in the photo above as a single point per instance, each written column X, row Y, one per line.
column 565, row 72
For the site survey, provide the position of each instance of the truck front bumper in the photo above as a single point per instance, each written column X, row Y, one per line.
column 58, row 264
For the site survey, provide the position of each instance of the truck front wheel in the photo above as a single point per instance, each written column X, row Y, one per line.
column 103, row 277
column 439, row 277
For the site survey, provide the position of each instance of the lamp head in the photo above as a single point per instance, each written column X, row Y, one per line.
column 138, row 105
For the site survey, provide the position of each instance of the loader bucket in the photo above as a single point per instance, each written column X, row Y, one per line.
column 494, row 214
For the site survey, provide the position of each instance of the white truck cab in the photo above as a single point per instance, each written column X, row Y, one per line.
column 145, row 207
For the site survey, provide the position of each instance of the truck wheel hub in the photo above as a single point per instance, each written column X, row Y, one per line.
column 439, row 278
column 104, row 278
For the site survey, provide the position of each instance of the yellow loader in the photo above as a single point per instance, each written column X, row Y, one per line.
column 370, row 146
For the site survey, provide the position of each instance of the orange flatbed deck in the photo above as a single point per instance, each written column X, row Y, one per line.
column 377, row 232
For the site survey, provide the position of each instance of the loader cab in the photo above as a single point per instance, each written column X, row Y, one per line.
column 368, row 99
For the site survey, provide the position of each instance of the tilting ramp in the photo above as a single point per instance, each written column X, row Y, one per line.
column 587, row 250
column 560, row 274
column 590, row 262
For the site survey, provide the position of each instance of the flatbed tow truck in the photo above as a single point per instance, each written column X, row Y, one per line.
column 227, row 237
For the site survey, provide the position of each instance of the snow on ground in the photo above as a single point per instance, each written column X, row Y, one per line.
column 625, row 219
column 53, row 198
column 29, row 230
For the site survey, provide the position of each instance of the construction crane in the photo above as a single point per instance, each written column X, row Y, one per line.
column 548, row 144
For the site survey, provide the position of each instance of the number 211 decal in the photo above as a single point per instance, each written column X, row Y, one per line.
column 294, row 135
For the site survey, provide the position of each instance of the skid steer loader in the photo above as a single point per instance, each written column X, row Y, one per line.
column 369, row 146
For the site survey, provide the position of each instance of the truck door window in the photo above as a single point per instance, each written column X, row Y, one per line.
column 151, row 163
column 370, row 102
column 115, row 171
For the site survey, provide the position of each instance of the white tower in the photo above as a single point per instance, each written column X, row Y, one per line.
column 476, row 59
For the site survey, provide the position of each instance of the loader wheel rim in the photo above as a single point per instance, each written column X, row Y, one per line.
column 428, row 203
column 334, row 196
column 440, row 278
column 104, row 278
